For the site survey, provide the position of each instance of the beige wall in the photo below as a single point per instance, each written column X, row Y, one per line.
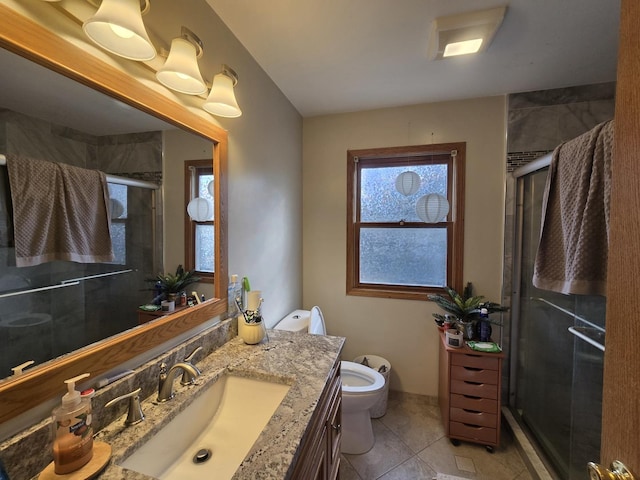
column 401, row 331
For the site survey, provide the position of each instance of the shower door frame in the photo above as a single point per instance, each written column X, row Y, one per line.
column 532, row 167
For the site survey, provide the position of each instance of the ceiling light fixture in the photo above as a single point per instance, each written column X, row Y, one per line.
column 181, row 72
column 118, row 28
column 464, row 33
column 222, row 100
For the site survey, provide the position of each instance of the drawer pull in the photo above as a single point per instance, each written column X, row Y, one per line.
column 472, row 383
column 475, row 427
column 472, row 397
column 473, row 369
column 475, row 412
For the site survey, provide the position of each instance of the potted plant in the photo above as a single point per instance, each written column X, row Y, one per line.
column 466, row 308
column 170, row 285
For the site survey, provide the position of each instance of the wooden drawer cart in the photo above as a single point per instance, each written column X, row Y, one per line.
column 469, row 394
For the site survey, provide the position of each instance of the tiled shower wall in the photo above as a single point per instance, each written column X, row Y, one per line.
column 537, row 123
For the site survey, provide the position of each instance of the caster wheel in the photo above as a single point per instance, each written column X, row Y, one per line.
column 489, row 448
column 454, row 442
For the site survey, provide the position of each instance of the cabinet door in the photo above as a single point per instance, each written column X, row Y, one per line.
column 334, row 431
column 318, row 463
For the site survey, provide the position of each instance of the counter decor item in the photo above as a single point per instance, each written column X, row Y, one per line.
column 250, row 325
column 466, row 309
column 454, row 338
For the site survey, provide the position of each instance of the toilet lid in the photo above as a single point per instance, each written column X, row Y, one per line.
column 316, row 322
column 357, row 378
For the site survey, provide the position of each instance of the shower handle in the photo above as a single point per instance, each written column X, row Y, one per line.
column 618, row 471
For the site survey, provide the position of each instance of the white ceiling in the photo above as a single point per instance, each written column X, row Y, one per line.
column 330, row 56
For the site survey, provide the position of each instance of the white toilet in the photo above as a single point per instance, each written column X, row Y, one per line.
column 361, row 385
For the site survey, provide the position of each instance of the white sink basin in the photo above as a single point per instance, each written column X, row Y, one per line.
column 226, row 420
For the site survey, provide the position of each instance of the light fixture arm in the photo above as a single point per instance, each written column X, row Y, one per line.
column 191, row 37
column 230, row 72
column 145, row 5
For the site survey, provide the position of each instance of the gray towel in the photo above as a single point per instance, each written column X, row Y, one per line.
column 60, row 212
column 574, row 238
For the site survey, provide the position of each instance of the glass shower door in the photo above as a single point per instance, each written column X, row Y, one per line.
column 556, row 391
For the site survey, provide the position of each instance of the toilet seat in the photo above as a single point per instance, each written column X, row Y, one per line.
column 361, row 385
column 358, row 379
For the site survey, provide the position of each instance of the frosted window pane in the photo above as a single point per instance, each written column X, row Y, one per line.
column 119, row 243
column 381, row 202
column 205, row 248
column 403, row 256
column 119, row 193
column 203, row 192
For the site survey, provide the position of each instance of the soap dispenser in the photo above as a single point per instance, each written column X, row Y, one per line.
column 72, row 430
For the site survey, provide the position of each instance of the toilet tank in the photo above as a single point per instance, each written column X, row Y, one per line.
column 296, row 321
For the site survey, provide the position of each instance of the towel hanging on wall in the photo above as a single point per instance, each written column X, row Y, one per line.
column 574, row 237
column 60, row 212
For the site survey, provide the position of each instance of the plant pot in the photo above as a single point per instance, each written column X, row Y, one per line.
column 468, row 330
column 172, row 297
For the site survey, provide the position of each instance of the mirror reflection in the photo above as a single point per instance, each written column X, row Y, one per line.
column 56, row 307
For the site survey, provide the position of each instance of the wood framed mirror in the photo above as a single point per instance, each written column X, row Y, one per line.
column 29, row 39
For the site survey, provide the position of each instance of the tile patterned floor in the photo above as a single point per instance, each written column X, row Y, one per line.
column 410, row 445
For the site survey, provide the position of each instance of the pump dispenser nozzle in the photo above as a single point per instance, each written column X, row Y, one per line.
column 72, row 397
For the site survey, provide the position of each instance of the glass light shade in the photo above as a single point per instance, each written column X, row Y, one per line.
column 118, row 28
column 181, row 72
column 210, row 187
column 408, row 183
column 432, row 208
column 222, row 100
column 199, row 209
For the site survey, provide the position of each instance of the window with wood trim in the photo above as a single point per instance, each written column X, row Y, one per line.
column 200, row 234
column 391, row 251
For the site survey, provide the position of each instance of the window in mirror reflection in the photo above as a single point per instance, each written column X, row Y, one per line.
column 200, row 235
column 118, row 208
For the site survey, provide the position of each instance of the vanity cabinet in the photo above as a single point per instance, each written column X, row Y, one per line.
column 320, row 449
column 469, row 394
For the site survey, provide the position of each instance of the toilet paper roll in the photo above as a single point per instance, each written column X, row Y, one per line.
column 253, row 299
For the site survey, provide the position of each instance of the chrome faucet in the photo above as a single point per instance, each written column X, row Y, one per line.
column 165, row 385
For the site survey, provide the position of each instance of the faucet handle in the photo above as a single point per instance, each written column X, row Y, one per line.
column 188, row 378
column 189, row 357
column 135, row 414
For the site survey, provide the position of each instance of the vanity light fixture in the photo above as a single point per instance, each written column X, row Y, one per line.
column 118, row 28
column 181, row 72
column 222, row 100
column 464, row 33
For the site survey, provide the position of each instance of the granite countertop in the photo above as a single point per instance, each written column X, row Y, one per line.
column 300, row 360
